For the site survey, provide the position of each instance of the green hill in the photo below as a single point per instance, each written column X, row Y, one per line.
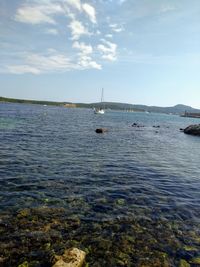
column 178, row 109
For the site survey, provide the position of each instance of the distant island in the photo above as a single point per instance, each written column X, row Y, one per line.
column 179, row 109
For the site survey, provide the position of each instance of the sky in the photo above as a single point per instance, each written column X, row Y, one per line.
column 139, row 51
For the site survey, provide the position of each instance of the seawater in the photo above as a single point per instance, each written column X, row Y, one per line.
column 51, row 157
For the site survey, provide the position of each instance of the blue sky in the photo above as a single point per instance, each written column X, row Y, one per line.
column 139, row 51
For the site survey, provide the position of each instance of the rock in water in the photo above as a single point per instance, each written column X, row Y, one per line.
column 183, row 263
column 137, row 125
column 134, row 124
column 73, row 257
column 101, row 130
column 193, row 129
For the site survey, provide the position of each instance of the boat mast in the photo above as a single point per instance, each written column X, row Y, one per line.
column 102, row 95
column 102, row 98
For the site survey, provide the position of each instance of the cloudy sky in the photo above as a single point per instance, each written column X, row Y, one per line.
column 139, row 51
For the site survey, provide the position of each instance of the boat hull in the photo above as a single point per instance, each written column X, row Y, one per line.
column 99, row 111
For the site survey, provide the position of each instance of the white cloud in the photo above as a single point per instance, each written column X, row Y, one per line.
column 78, row 29
column 86, row 62
column 108, row 49
column 33, row 16
column 109, row 35
column 85, row 7
column 74, row 3
column 109, row 57
column 90, row 11
column 114, row 25
column 67, row 11
column 167, row 8
column 34, row 63
column 37, row 14
column 116, row 28
column 52, row 61
column 21, row 69
column 122, row 1
column 103, row 48
column 84, row 49
column 81, row 21
column 52, row 31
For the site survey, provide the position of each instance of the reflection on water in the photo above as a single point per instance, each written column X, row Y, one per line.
column 145, row 177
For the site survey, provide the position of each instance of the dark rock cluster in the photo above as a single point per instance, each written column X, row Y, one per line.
column 101, row 130
column 193, row 129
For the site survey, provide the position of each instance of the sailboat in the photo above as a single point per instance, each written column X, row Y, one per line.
column 100, row 110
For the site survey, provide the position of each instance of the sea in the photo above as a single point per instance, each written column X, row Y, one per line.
column 127, row 197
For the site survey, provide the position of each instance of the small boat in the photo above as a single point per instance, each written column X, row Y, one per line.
column 100, row 110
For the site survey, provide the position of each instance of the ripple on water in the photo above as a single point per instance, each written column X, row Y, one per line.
column 53, row 158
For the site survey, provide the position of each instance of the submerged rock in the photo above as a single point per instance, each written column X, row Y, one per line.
column 183, row 263
column 73, row 257
column 24, row 264
column 101, row 130
column 137, row 125
column 196, row 261
column 2, row 261
column 193, row 129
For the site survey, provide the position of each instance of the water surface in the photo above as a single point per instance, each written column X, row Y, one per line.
column 52, row 157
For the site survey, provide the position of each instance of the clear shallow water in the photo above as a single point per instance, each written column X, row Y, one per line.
column 52, row 157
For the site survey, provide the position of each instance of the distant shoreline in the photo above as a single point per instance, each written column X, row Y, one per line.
column 26, row 101
column 63, row 104
column 191, row 115
column 175, row 110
